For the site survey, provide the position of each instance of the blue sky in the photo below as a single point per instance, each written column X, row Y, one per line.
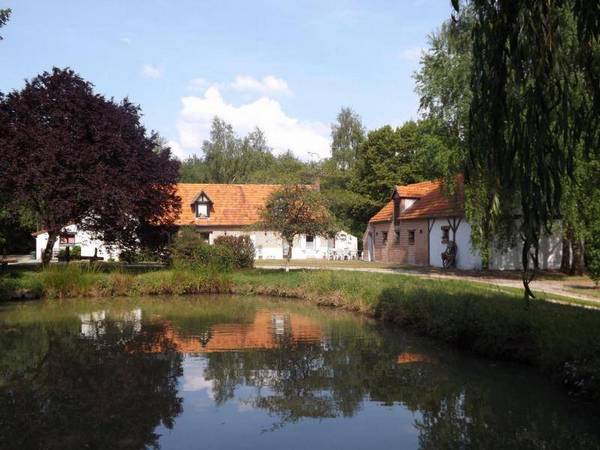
column 286, row 66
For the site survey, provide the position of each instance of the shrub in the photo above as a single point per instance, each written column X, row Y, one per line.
column 593, row 255
column 189, row 250
column 241, row 247
column 74, row 253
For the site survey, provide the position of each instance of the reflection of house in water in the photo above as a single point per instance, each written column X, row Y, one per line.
column 94, row 324
column 408, row 357
column 267, row 330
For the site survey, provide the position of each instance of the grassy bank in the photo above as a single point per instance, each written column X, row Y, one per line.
column 563, row 341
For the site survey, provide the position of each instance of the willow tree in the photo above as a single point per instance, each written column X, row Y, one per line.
column 525, row 119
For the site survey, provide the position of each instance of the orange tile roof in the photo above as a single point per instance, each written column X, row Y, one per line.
column 384, row 214
column 259, row 334
column 233, row 204
column 431, row 201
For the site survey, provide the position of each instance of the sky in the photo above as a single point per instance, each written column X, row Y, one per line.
column 284, row 66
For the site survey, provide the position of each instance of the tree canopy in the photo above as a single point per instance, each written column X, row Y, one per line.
column 347, row 133
column 4, row 16
column 527, row 116
column 72, row 156
column 297, row 210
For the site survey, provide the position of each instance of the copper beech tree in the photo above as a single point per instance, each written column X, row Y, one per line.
column 295, row 210
column 70, row 155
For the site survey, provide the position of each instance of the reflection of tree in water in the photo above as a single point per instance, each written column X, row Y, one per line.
column 105, row 392
column 454, row 407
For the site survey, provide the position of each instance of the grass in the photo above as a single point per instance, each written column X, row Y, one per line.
column 561, row 340
column 591, row 291
column 84, row 280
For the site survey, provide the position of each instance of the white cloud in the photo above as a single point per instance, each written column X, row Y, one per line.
column 125, row 40
column 268, row 85
column 194, row 380
column 411, row 54
column 177, row 150
column 151, row 71
column 306, row 139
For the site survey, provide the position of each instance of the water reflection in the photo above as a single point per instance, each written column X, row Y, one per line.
column 239, row 373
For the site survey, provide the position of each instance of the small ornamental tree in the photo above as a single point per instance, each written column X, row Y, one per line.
column 295, row 210
column 72, row 156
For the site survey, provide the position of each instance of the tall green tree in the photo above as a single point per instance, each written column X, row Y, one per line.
column 443, row 86
column 347, row 133
column 4, row 16
column 387, row 158
column 227, row 158
column 521, row 133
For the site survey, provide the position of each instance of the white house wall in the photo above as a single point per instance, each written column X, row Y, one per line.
column 83, row 239
column 466, row 259
column 510, row 259
column 268, row 245
column 550, row 254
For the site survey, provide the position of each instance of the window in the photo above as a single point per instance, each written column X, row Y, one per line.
column 205, row 237
column 310, row 242
column 396, row 208
column 67, row 238
column 397, row 236
column 384, row 234
column 202, row 209
column 411, row 237
column 445, row 234
column 202, row 205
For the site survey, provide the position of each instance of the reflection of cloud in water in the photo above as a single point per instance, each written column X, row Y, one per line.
column 245, row 406
column 194, row 380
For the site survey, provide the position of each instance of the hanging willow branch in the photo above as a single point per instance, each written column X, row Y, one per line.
column 527, row 84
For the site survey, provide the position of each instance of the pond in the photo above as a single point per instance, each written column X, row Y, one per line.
column 247, row 373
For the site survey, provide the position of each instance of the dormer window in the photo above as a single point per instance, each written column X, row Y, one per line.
column 202, row 209
column 202, row 205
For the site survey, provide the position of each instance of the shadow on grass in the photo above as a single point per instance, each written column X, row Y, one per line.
column 561, row 340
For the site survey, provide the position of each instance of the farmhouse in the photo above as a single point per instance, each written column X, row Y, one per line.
column 219, row 210
column 422, row 221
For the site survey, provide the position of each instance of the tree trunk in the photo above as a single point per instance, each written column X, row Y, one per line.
column 47, row 253
column 289, row 255
column 577, row 265
column 565, row 262
column 528, row 275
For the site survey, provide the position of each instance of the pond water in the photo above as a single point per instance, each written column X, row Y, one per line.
column 249, row 373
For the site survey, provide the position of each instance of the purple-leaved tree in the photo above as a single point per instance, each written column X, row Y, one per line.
column 70, row 155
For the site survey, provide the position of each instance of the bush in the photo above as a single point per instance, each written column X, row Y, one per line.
column 593, row 255
column 189, row 250
column 74, row 253
column 241, row 247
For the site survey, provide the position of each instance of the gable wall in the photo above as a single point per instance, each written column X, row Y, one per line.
column 400, row 251
column 466, row 258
